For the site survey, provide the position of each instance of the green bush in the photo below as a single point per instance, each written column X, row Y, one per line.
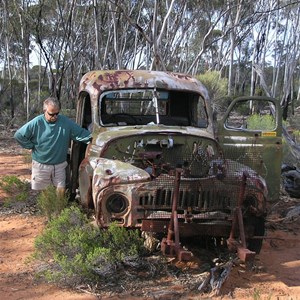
column 216, row 85
column 217, row 88
column 51, row 203
column 76, row 252
column 261, row 122
column 16, row 189
column 296, row 136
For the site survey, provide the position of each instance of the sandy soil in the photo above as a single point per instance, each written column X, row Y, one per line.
column 276, row 274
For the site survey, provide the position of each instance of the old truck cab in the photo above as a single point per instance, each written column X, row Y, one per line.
column 158, row 162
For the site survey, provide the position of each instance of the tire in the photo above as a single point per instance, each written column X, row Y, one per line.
column 254, row 226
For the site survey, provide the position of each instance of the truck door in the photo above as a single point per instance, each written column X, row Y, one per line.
column 77, row 151
column 250, row 133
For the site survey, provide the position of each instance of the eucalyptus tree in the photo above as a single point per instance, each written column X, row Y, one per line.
column 170, row 31
column 21, row 9
column 275, row 39
column 6, row 60
column 140, row 19
column 292, row 53
column 235, row 22
column 241, row 39
column 53, row 30
column 17, row 41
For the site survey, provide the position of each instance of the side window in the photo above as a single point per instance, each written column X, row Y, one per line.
column 87, row 114
column 252, row 115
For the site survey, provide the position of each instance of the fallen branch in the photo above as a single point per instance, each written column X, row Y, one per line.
column 214, row 280
column 222, row 272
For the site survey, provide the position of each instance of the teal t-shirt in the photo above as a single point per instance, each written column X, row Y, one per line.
column 49, row 142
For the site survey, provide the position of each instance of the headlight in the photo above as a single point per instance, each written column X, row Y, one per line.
column 116, row 204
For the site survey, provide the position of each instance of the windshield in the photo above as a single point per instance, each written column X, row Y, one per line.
column 151, row 106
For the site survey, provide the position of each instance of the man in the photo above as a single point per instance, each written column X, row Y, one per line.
column 48, row 136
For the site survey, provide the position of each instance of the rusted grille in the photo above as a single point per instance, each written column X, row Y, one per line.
column 195, row 200
column 195, row 194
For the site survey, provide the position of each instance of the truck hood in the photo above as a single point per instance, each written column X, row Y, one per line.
column 103, row 136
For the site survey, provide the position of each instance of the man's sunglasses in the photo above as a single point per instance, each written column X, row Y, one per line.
column 52, row 115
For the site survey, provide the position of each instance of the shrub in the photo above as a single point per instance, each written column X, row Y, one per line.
column 52, row 203
column 76, row 252
column 16, row 189
column 216, row 85
column 258, row 122
column 217, row 88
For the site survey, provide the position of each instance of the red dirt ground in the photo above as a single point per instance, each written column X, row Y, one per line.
column 276, row 276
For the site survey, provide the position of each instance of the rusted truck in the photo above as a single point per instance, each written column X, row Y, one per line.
column 159, row 162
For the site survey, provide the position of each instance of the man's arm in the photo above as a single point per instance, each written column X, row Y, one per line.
column 22, row 136
column 80, row 134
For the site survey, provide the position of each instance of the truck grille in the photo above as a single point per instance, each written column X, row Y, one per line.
column 194, row 195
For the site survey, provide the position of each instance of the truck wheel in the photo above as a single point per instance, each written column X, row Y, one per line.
column 254, row 227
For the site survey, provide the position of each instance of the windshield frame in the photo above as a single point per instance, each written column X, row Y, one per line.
column 157, row 107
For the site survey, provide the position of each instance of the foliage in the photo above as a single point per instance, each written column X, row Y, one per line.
column 260, row 122
column 183, row 36
column 16, row 189
column 52, row 203
column 216, row 86
column 75, row 251
column 296, row 136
